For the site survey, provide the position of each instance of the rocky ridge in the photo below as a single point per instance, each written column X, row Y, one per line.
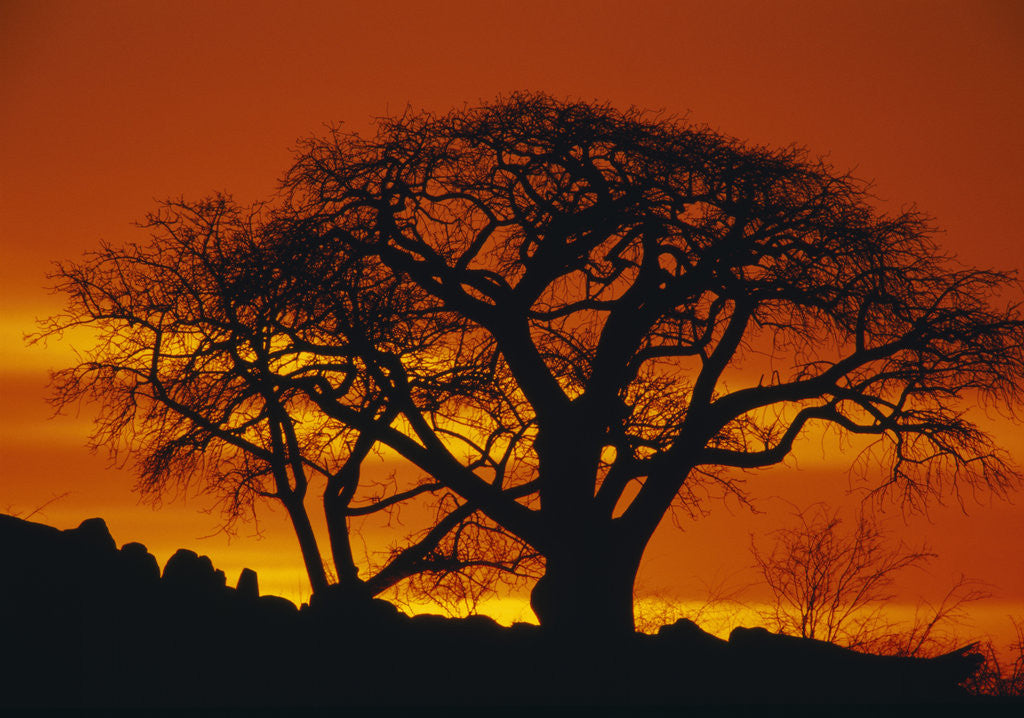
column 87, row 623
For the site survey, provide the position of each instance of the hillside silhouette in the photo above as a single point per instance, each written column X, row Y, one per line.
column 87, row 623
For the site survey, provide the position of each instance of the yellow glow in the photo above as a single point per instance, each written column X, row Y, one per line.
column 17, row 356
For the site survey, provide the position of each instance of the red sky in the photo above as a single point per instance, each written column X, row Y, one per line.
column 108, row 106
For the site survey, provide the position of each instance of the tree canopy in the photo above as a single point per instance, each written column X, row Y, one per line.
column 575, row 320
column 202, row 341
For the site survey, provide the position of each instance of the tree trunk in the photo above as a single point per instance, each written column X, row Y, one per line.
column 307, row 544
column 586, row 592
column 341, row 545
column 590, row 566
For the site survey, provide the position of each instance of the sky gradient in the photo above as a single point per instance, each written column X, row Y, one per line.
column 110, row 106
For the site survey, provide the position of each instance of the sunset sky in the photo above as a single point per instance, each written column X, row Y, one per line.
column 107, row 107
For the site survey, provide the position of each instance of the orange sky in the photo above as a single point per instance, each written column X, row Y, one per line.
column 110, row 105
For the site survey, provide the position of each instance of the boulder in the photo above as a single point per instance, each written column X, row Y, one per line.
column 139, row 563
column 687, row 635
column 187, row 570
column 93, row 534
column 248, row 586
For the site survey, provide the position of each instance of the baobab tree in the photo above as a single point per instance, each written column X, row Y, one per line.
column 573, row 320
column 660, row 310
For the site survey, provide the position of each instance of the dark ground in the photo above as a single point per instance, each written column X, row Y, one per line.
column 83, row 623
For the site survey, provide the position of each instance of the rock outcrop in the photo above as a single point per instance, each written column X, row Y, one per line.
column 83, row 623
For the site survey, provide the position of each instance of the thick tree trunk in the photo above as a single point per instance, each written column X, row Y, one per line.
column 307, row 544
column 586, row 593
column 590, row 566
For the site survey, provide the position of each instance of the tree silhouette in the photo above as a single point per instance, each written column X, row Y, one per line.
column 660, row 307
column 1002, row 674
column 575, row 321
column 200, row 338
column 832, row 584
